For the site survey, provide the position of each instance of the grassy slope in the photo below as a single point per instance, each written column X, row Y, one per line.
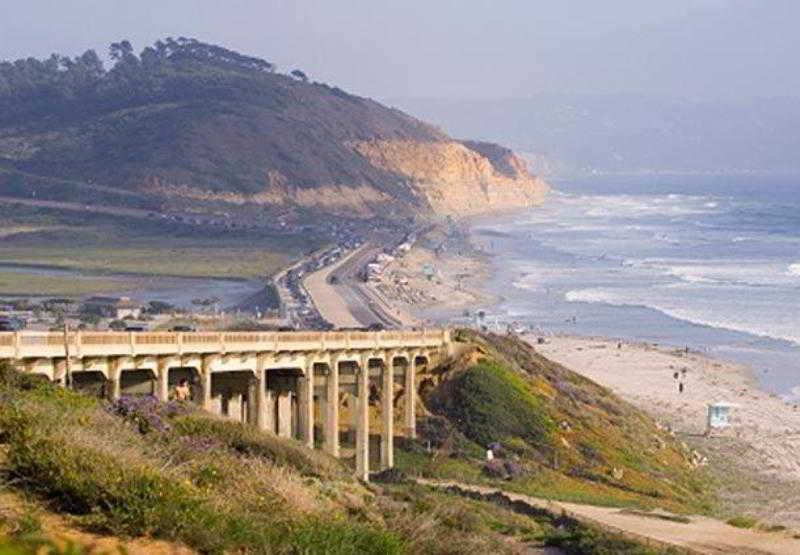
column 23, row 283
column 215, row 486
column 567, row 437
column 119, row 244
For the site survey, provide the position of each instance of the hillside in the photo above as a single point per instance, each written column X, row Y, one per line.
column 555, row 433
column 81, row 475
column 191, row 124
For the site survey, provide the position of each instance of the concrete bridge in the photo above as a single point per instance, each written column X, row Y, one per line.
column 286, row 382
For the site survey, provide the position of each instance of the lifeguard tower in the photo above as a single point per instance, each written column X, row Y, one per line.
column 719, row 416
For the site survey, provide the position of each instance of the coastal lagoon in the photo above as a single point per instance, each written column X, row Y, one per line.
column 708, row 262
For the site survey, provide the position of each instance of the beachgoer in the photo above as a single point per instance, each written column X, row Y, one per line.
column 675, row 375
column 680, row 387
column 182, row 391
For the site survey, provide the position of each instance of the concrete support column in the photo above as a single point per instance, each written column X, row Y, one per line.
column 411, row 397
column 362, row 421
column 306, row 406
column 114, row 380
column 261, row 398
column 269, row 410
column 59, row 372
column 332, row 409
column 387, row 414
column 251, row 403
column 284, row 414
column 162, row 377
column 205, row 383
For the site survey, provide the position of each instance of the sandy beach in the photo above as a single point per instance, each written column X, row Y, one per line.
column 756, row 460
column 438, row 279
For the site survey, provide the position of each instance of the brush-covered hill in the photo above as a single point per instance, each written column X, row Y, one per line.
column 82, row 475
column 184, row 122
column 554, row 433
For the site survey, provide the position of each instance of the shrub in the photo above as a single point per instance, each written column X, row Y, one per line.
column 494, row 469
column 146, row 412
column 247, row 440
column 319, row 536
column 435, row 429
column 503, row 469
column 488, row 403
column 580, row 539
column 742, row 521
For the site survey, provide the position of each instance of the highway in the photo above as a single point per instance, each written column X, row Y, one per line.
column 364, row 305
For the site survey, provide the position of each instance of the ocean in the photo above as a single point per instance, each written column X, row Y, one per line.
column 710, row 262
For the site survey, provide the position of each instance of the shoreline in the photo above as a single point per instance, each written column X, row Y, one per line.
column 756, row 461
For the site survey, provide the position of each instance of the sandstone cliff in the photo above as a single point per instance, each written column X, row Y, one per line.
column 459, row 178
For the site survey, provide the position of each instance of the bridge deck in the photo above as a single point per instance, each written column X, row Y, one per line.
column 32, row 344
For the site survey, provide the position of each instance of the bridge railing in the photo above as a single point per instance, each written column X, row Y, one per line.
column 36, row 344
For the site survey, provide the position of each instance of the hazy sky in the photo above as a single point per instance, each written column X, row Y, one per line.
column 455, row 49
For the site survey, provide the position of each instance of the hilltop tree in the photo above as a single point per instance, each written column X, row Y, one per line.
column 300, row 75
column 167, row 70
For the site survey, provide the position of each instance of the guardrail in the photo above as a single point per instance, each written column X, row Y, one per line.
column 32, row 344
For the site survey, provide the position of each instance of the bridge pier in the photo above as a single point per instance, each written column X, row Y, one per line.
column 284, row 402
column 306, row 405
column 410, row 395
column 206, row 368
column 331, row 417
column 362, row 420
column 262, row 402
column 162, row 377
column 114, row 378
column 387, row 413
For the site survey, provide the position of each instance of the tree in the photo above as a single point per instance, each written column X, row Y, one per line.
column 299, row 75
column 159, row 307
column 117, row 325
column 120, row 51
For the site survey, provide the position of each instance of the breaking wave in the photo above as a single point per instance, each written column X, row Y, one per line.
column 775, row 326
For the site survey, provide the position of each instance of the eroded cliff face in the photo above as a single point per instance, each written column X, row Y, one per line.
column 445, row 178
column 459, row 179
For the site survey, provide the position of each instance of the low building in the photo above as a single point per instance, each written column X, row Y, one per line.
column 118, row 308
column 719, row 415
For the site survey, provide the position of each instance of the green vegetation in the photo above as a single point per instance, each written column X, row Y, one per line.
column 85, row 461
column 23, row 283
column 555, row 435
column 489, row 402
column 743, row 522
column 139, row 468
column 133, row 245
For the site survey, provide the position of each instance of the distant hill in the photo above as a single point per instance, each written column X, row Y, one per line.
column 630, row 133
column 189, row 122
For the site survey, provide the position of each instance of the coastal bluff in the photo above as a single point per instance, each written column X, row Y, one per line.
column 185, row 125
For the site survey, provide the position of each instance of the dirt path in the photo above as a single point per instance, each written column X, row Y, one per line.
column 700, row 534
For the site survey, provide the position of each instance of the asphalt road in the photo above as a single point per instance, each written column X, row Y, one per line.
column 362, row 303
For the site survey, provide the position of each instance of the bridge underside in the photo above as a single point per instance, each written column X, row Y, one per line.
column 320, row 398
